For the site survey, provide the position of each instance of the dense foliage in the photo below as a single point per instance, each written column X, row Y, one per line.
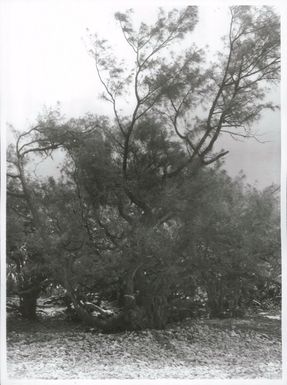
column 143, row 214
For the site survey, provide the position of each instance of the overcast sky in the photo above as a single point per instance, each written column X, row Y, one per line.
column 46, row 61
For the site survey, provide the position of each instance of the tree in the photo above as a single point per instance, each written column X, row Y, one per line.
column 39, row 241
column 231, row 245
column 25, row 232
column 131, row 174
column 162, row 142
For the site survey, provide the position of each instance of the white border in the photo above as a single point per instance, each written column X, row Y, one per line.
column 3, row 355
column 284, row 186
column 4, row 380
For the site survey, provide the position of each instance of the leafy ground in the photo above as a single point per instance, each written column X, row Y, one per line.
column 55, row 349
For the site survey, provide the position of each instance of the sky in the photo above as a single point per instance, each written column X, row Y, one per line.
column 46, row 61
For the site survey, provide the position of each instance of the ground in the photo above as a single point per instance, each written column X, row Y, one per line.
column 230, row 348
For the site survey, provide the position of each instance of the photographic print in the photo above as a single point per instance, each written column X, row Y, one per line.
column 142, row 190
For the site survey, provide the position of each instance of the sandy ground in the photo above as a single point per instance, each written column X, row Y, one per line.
column 249, row 348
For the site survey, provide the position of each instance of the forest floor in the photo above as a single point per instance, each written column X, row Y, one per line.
column 232, row 348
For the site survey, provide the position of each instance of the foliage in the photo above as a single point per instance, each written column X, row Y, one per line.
column 231, row 243
column 142, row 213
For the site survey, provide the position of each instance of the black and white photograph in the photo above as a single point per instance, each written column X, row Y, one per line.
column 141, row 191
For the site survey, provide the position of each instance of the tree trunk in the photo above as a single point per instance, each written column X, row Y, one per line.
column 28, row 304
column 157, row 312
column 151, row 302
column 212, row 300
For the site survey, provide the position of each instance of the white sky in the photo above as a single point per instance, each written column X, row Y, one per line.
column 45, row 60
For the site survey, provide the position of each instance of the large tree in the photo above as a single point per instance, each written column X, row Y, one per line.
column 179, row 107
column 131, row 172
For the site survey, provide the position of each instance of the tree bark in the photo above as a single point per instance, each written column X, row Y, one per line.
column 28, row 304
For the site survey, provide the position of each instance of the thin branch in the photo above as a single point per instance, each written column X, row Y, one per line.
column 112, row 100
column 244, row 135
column 42, row 149
column 215, row 158
column 126, row 38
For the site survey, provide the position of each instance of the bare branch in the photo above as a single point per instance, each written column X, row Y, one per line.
column 243, row 135
column 215, row 158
